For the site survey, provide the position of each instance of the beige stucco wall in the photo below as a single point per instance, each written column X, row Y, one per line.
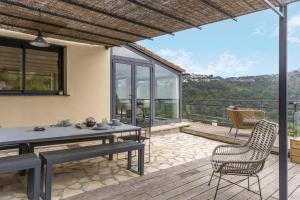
column 88, row 88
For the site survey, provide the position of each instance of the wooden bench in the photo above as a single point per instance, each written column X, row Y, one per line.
column 25, row 162
column 68, row 155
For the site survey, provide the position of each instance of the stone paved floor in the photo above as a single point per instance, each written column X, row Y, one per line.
column 167, row 150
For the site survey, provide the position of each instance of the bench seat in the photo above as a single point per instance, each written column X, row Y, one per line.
column 18, row 162
column 103, row 138
column 69, row 155
column 28, row 162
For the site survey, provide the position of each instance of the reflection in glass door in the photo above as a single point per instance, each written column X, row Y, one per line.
column 143, row 95
column 123, row 92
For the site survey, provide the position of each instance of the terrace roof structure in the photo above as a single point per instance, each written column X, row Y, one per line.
column 117, row 22
column 157, row 57
column 113, row 23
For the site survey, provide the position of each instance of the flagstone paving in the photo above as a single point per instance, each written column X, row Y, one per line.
column 167, row 150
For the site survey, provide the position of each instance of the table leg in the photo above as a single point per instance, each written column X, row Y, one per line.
column 129, row 160
column 111, row 140
column 141, row 161
column 23, row 148
column 139, row 135
column 30, row 148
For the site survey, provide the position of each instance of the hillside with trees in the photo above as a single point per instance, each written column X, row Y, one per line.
column 206, row 97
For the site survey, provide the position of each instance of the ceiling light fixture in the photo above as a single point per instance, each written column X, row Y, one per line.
column 39, row 41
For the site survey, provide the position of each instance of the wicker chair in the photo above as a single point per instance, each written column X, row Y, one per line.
column 245, row 160
column 244, row 118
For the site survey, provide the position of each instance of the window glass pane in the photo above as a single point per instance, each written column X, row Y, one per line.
column 123, row 93
column 10, row 68
column 166, row 94
column 122, row 51
column 143, row 99
column 41, row 70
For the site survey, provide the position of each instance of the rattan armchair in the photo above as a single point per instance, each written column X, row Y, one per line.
column 245, row 160
column 244, row 118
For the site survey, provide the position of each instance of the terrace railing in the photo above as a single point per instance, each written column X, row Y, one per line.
column 214, row 111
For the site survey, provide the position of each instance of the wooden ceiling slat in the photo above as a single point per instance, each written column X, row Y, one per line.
column 47, row 32
column 33, row 32
column 63, row 27
column 164, row 13
column 117, row 22
column 137, row 22
column 71, row 18
column 219, row 9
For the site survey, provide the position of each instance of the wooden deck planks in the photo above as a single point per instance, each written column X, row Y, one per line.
column 164, row 183
column 189, row 181
column 221, row 133
column 231, row 190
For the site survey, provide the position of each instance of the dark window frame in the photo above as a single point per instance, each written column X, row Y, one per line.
column 24, row 44
column 152, row 61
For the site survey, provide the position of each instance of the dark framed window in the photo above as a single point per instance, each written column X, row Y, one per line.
column 25, row 69
column 164, row 101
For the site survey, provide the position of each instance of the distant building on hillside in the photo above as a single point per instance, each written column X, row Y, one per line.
column 204, row 78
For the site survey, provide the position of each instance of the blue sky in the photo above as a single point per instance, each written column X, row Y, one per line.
column 229, row 48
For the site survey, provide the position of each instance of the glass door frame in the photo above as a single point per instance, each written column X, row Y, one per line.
column 133, row 65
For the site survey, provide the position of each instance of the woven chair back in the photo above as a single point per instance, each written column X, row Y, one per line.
column 262, row 138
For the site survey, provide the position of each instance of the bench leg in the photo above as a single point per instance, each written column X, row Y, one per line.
column 103, row 141
column 129, row 159
column 42, row 184
column 30, row 183
column 37, row 183
column 33, row 185
column 48, row 182
column 141, row 161
column 111, row 140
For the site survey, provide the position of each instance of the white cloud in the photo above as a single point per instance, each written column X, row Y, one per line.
column 259, row 31
column 294, row 29
column 226, row 64
column 230, row 64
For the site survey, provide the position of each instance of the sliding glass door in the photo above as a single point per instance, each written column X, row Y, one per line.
column 132, row 92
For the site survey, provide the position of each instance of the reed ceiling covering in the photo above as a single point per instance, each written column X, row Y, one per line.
column 117, row 22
